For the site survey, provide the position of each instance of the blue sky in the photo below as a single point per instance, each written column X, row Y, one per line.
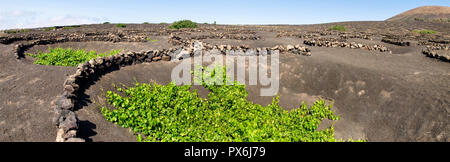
column 32, row 13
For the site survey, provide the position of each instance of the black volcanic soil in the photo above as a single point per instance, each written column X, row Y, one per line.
column 403, row 96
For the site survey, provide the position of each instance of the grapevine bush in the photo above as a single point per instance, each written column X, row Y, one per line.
column 338, row 28
column 425, row 31
column 67, row 57
column 121, row 25
column 166, row 113
column 183, row 24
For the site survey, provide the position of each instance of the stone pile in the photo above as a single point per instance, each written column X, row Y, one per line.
column 176, row 40
column 288, row 34
column 335, row 43
column 440, row 41
column 323, row 33
column 308, row 35
column 295, row 49
column 396, row 41
column 435, row 43
column 438, row 53
column 355, row 35
column 226, row 36
column 319, row 34
column 231, row 30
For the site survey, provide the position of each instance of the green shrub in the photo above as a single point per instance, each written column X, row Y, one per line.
column 106, row 23
column 425, row 31
column 338, row 28
column 71, row 27
column 49, row 28
column 419, row 19
column 67, row 57
column 14, row 31
column 151, row 40
column 121, row 25
column 162, row 113
column 183, row 24
column 146, row 23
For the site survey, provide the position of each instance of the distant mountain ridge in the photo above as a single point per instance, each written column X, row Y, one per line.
column 424, row 13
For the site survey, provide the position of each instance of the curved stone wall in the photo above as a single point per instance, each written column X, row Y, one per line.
column 65, row 119
column 20, row 48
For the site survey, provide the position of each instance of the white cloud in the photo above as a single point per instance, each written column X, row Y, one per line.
column 14, row 19
column 30, row 19
column 65, row 20
column 16, row 13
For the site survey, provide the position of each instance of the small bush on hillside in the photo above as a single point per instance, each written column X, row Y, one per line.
column 67, row 57
column 338, row 28
column 106, row 23
column 49, row 28
column 419, row 19
column 425, row 31
column 151, row 40
column 121, row 25
column 183, row 24
column 71, row 27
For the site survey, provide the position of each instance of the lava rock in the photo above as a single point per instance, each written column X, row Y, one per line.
column 156, row 58
column 69, row 121
column 64, row 103
column 166, row 58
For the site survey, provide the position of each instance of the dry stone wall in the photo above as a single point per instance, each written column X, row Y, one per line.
column 396, row 41
column 20, row 48
column 226, row 36
column 78, row 37
column 66, row 120
column 333, row 42
column 442, row 53
column 366, row 36
column 435, row 43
